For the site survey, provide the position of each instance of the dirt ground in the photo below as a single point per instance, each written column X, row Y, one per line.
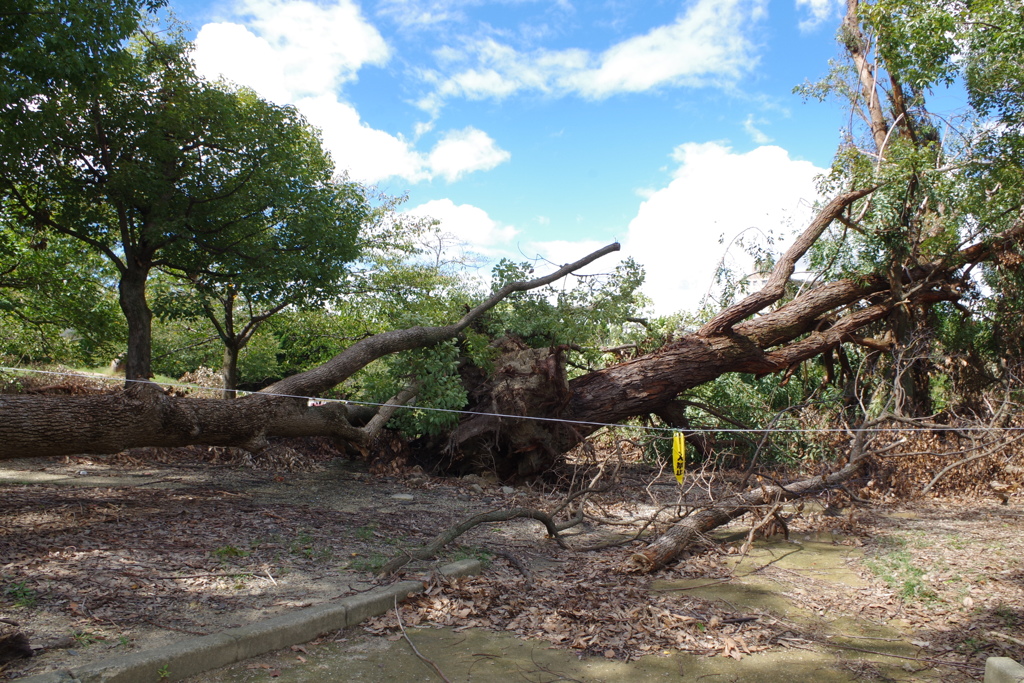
column 104, row 556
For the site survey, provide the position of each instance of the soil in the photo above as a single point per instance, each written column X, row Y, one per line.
column 104, row 556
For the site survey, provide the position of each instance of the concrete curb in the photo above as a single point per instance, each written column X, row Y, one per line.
column 1003, row 670
column 196, row 655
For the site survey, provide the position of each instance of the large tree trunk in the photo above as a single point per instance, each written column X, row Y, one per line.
column 229, row 370
column 132, row 298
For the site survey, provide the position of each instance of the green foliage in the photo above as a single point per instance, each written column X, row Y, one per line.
column 589, row 311
column 153, row 167
column 434, row 369
column 228, row 552
column 371, row 563
column 898, row 569
column 55, row 305
column 49, row 44
column 740, row 401
column 85, row 638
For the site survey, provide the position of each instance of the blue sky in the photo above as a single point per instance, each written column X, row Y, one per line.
column 551, row 127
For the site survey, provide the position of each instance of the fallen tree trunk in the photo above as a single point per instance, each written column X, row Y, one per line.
column 685, row 533
column 142, row 415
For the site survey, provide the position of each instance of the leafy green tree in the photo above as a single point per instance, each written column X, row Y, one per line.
column 940, row 182
column 51, row 296
column 55, row 302
column 55, row 44
column 155, row 168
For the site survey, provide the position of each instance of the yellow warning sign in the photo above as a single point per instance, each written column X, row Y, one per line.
column 679, row 456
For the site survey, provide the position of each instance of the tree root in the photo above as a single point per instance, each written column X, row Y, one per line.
column 547, row 519
column 516, row 562
column 449, row 535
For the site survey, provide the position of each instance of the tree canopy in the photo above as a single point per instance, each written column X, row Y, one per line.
column 155, row 168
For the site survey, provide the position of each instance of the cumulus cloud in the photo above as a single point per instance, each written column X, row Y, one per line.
column 288, row 50
column 706, row 45
column 818, row 12
column 464, row 151
column 715, row 192
column 369, row 155
column 298, row 52
column 470, row 225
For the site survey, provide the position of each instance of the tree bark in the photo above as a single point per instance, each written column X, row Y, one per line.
column 142, row 415
column 132, row 298
column 229, row 369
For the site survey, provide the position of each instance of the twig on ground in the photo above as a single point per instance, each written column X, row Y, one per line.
column 517, row 562
column 924, row 660
column 398, row 617
column 1003, row 636
column 446, row 537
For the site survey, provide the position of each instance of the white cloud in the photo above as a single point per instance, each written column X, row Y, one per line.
column 420, row 14
column 819, row 11
column 288, row 50
column 464, row 151
column 369, row 155
column 755, row 133
column 706, row 45
column 714, row 192
column 471, row 225
column 301, row 53
column 558, row 253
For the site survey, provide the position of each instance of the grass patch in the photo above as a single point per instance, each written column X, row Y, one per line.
column 228, row 552
column 367, row 564
column 85, row 638
column 306, row 546
column 899, row 572
column 21, row 595
column 472, row 553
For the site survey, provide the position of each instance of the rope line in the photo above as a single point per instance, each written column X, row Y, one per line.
column 649, row 428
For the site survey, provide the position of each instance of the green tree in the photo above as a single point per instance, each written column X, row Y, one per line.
column 941, row 182
column 156, row 168
column 55, row 302
column 49, row 45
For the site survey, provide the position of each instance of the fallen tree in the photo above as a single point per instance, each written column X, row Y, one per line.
column 144, row 415
column 911, row 231
column 525, row 382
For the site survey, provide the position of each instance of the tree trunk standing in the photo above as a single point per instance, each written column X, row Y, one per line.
column 132, row 298
column 232, row 343
column 229, row 370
